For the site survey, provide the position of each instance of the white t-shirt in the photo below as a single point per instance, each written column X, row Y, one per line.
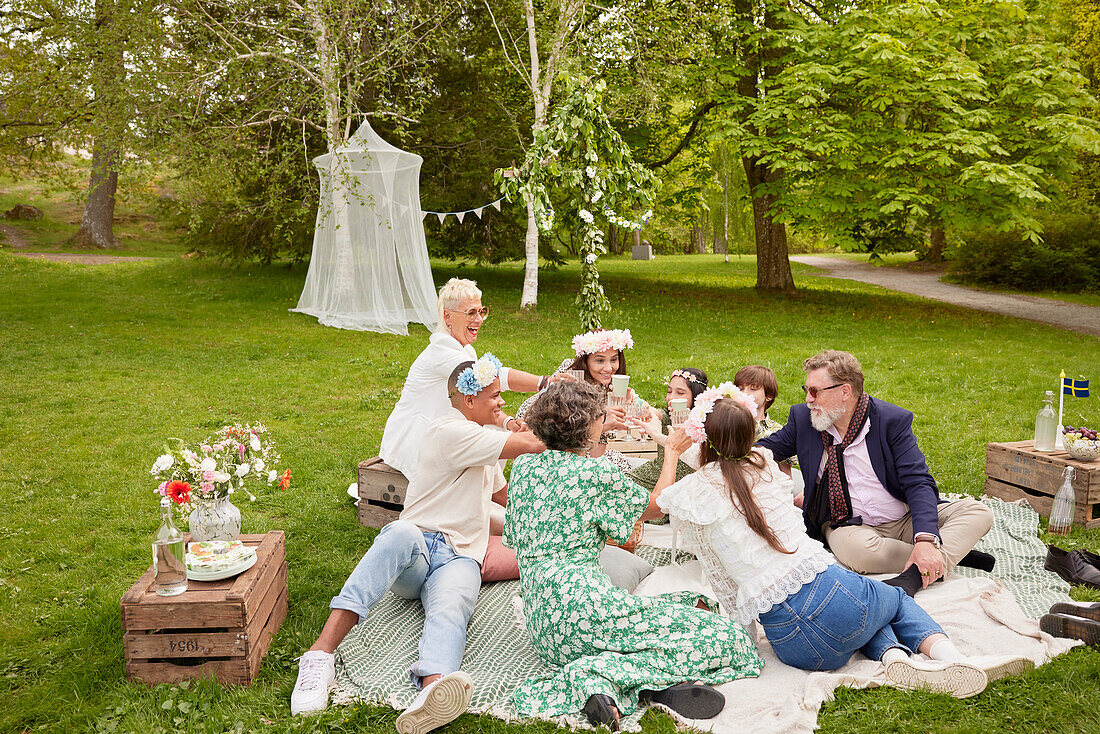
column 423, row 399
column 452, row 486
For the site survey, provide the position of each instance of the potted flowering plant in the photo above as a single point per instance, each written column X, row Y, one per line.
column 200, row 480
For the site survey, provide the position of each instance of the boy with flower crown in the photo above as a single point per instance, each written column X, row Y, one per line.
column 432, row 552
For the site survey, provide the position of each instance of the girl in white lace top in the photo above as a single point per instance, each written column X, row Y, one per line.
column 736, row 515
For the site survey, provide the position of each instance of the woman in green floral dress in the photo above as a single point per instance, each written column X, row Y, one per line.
column 612, row 648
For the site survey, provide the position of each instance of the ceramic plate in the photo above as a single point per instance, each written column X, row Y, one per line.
column 224, row 573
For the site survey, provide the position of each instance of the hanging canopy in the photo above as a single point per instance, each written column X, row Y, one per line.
column 369, row 270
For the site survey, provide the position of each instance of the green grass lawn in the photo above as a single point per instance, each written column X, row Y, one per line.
column 101, row 363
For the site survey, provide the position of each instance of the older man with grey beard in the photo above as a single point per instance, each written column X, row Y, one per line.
column 869, row 494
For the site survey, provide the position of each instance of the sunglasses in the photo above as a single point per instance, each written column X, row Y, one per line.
column 483, row 312
column 813, row 391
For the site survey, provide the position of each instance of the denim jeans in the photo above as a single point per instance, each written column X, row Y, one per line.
column 819, row 626
column 415, row 564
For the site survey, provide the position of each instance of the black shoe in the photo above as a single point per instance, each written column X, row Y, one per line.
column 690, row 700
column 1077, row 628
column 1076, row 567
column 1078, row 609
column 979, row 560
column 602, row 711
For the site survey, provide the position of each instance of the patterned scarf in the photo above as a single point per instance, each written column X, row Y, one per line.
column 833, row 479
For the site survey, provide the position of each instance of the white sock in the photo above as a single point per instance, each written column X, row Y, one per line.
column 894, row 653
column 946, row 651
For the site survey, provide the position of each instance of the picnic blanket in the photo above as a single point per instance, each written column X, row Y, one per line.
column 985, row 614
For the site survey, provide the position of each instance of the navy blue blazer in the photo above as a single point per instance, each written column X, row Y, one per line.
column 895, row 457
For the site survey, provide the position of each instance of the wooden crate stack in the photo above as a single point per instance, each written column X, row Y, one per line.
column 381, row 492
column 1016, row 471
column 219, row 628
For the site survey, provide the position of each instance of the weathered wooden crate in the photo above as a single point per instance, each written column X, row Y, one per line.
column 1016, row 471
column 381, row 492
column 218, row 628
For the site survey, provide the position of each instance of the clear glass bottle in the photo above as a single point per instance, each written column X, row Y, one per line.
column 169, row 569
column 1065, row 502
column 1046, row 424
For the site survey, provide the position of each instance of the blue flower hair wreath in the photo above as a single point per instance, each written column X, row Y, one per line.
column 473, row 379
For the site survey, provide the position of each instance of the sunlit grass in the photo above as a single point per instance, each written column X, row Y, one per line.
column 101, row 363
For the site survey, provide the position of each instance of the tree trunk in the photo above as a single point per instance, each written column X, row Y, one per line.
column 937, row 240
column 97, row 222
column 773, row 269
column 530, row 296
column 327, row 61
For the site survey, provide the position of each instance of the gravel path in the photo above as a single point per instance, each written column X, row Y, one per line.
column 79, row 259
column 1072, row 316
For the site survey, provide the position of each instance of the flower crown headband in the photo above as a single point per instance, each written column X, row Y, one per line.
column 696, row 425
column 602, row 341
column 478, row 376
column 687, row 376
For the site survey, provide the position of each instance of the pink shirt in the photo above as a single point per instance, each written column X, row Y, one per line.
column 870, row 500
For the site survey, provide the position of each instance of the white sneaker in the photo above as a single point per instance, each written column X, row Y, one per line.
column 1002, row 666
column 961, row 680
column 316, row 675
column 437, row 704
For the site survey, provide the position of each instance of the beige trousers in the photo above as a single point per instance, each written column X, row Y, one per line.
column 886, row 548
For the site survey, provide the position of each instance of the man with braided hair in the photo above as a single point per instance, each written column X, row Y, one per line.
column 869, row 493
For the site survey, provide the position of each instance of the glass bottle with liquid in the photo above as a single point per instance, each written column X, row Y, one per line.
column 1065, row 502
column 169, row 569
column 1046, row 424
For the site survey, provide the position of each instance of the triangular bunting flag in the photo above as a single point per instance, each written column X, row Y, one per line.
column 441, row 216
column 461, row 216
column 478, row 212
column 496, row 205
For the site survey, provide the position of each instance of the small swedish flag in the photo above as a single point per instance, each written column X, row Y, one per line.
column 1076, row 388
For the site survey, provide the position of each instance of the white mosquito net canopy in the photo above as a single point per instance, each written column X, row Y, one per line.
column 369, row 270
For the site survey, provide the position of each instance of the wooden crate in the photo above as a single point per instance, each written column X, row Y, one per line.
column 215, row 628
column 381, row 492
column 1016, row 471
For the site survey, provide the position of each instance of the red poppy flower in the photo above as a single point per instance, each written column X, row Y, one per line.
column 285, row 481
column 180, row 492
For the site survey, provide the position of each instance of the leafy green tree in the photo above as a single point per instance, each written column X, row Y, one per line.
column 943, row 114
column 579, row 154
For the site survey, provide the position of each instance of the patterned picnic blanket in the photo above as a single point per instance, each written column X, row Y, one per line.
column 374, row 660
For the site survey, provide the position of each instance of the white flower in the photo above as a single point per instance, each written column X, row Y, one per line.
column 192, row 459
column 590, row 258
column 271, row 475
column 597, row 196
column 163, row 463
column 591, row 171
column 586, row 215
column 208, row 464
column 485, row 372
column 254, row 442
column 221, row 477
column 242, row 470
column 259, row 465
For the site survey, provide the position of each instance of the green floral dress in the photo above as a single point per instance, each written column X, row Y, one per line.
column 561, row 509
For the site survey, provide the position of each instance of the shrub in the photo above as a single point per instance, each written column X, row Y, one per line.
column 1067, row 259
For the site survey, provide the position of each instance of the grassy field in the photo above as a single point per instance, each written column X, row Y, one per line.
column 101, row 363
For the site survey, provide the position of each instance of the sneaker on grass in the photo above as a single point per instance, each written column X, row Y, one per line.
column 316, row 674
column 961, row 680
column 437, row 704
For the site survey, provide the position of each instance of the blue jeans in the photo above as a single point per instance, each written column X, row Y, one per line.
column 819, row 626
column 415, row 564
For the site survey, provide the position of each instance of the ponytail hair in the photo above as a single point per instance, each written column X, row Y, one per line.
column 731, row 432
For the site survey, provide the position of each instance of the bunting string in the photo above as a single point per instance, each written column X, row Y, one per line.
column 441, row 216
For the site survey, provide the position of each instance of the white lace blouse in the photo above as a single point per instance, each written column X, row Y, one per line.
column 747, row 575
